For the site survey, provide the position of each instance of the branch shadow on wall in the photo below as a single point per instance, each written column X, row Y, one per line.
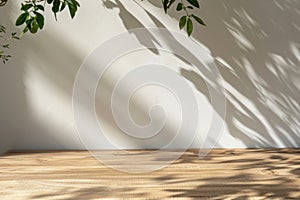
column 129, row 20
column 260, row 76
column 258, row 58
column 261, row 69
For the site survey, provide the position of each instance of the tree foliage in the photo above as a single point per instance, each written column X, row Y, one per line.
column 187, row 19
column 32, row 17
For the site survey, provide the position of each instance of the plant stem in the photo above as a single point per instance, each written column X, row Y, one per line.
column 184, row 8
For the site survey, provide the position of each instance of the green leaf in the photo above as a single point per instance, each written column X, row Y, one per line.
column 170, row 3
column 40, row 7
column 179, row 7
column 63, row 5
column 1, row 52
column 21, row 19
column 199, row 20
column 165, row 4
column 72, row 10
column 25, row 30
column 39, row 19
column 6, row 46
column 14, row 35
column 4, row 57
column 55, row 7
column 189, row 27
column 182, row 22
column 189, row 7
column 28, row 22
column 26, row 7
column 194, row 3
column 2, row 29
column 34, row 26
column 28, row 25
column 49, row 1
column 75, row 3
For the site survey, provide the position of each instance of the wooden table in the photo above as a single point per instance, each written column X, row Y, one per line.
column 223, row 174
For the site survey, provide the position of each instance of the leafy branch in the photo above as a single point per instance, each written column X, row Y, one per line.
column 4, row 43
column 186, row 19
column 32, row 17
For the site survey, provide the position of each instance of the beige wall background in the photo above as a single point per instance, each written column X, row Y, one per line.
column 255, row 44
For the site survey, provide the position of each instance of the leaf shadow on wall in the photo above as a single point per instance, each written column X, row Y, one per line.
column 146, row 40
column 260, row 74
column 129, row 20
column 258, row 58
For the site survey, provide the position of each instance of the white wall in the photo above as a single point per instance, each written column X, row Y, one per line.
column 256, row 46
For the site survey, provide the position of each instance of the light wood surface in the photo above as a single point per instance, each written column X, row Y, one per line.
column 223, row 174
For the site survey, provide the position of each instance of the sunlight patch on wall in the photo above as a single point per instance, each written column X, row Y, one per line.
column 48, row 105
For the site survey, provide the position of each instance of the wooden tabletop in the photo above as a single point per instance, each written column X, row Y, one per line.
column 223, row 174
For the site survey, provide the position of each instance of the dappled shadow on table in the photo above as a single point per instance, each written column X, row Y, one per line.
column 223, row 174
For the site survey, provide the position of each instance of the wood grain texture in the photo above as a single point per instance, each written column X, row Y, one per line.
column 223, row 174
